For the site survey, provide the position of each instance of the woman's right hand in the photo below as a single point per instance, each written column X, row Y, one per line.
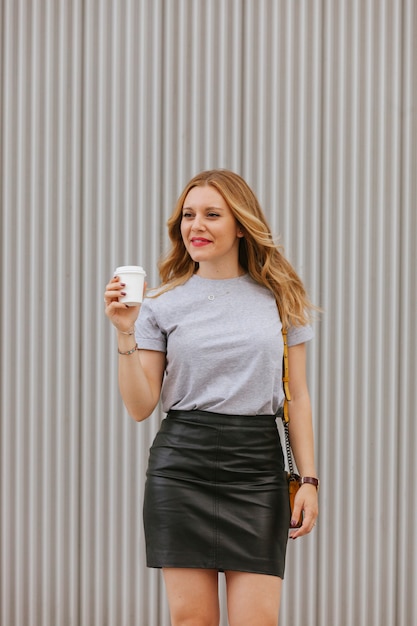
column 122, row 317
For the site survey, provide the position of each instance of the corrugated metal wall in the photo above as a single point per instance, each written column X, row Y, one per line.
column 107, row 108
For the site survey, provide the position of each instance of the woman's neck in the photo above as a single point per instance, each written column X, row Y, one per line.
column 219, row 273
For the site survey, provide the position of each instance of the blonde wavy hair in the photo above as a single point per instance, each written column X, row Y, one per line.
column 259, row 255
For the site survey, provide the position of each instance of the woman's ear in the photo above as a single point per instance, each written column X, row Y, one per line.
column 240, row 232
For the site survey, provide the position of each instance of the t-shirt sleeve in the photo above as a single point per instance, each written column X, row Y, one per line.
column 148, row 333
column 299, row 334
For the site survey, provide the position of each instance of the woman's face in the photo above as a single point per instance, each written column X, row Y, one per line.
column 210, row 231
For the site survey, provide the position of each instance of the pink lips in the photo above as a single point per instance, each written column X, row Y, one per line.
column 198, row 242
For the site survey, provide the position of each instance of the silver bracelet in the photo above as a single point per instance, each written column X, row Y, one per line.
column 129, row 351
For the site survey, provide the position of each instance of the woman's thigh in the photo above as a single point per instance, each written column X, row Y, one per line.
column 192, row 596
column 253, row 599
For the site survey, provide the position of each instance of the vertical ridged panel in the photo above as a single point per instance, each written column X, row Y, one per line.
column 106, row 110
column 360, row 283
column 41, row 139
column 406, row 335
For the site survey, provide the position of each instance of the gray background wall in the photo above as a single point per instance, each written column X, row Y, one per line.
column 107, row 108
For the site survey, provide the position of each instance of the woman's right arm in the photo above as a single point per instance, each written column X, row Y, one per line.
column 141, row 372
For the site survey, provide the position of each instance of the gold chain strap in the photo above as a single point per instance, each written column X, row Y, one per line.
column 285, row 378
column 287, row 398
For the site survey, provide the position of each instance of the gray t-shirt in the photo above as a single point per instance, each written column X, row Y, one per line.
column 223, row 345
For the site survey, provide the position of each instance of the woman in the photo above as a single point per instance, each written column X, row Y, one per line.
column 209, row 344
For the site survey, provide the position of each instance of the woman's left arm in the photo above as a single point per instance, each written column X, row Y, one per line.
column 302, row 440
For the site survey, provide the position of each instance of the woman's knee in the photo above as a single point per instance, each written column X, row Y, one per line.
column 183, row 615
column 194, row 621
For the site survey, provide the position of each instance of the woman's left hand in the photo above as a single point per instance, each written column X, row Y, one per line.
column 306, row 501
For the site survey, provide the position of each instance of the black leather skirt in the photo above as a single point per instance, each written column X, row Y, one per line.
column 216, row 494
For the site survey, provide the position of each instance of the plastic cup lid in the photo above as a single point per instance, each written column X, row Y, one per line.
column 130, row 269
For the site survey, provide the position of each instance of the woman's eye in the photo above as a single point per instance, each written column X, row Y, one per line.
column 190, row 215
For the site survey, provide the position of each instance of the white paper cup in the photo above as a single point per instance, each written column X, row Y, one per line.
column 134, row 278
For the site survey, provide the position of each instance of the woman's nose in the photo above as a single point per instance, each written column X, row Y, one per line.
column 197, row 223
